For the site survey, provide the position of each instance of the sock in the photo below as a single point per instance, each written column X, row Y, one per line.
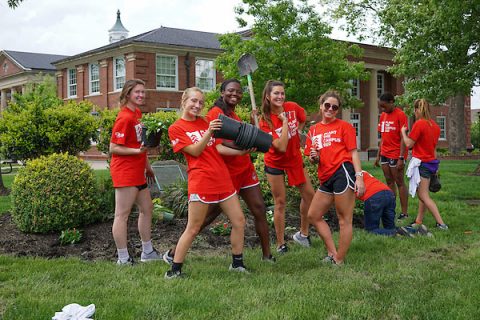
column 177, row 266
column 147, row 247
column 237, row 260
column 303, row 236
column 123, row 254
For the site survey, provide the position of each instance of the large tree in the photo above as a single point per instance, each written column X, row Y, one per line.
column 291, row 43
column 437, row 48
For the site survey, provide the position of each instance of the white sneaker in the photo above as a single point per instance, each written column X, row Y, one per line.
column 302, row 240
column 152, row 256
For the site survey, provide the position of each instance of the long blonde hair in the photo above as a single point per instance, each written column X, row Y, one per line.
column 424, row 107
column 127, row 88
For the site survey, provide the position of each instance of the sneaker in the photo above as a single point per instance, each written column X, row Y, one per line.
column 422, row 230
column 404, row 232
column 282, row 249
column 270, row 259
column 152, row 256
column 241, row 269
column 441, row 226
column 170, row 274
column 302, row 240
column 330, row 260
column 129, row 262
column 167, row 257
column 402, row 216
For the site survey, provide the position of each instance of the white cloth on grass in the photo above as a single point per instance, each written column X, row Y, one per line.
column 75, row 311
column 413, row 173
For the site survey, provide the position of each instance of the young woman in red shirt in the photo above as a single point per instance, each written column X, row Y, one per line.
column 209, row 181
column 241, row 170
column 423, row 140
column 128, row 168
column 284, row 120
column 332, row 144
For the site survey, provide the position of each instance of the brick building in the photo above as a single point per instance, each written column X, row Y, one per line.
column 19, row 69
column 170, row 60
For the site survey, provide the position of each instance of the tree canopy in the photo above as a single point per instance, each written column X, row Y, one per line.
column 14, row 3
column 437, row 48
column 292, row 44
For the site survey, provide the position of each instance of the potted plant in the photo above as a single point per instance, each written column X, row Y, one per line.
column 152, row 128
column 161, row 212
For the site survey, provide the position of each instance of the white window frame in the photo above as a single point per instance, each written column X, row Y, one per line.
column 157, row 74
column 380, row 84
column 118, row 79
column 443, row 131
column 94, row 81
column 355, row 90
column 355, row 118
column 212, row 78
column 71, row 82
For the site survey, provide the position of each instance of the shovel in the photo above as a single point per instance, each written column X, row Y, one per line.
column 247, row 65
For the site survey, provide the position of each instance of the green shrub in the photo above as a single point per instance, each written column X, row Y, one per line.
column 53, row 193
column 475, row 133
column 167, row 118
column 70, row 236
column 175, row 197
column 105, row 197
column 106, row 120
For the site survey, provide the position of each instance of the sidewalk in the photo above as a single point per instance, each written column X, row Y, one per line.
column 97, row 164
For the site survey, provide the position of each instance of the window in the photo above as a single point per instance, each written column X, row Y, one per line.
column 94, row 74
column 167, row 72
column 72, row 82
column 355, row 121
column 441, row 121
column 355, row 91
column 380, row 84
column 118, row 73
column 205, row 74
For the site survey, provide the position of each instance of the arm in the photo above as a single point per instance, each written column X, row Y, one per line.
column 197, row 148
column 227, row 151
column 281, row 143
column 377, row 159
column 357, row 165
column 401, row 158
column 409, row 143
column 121, row 150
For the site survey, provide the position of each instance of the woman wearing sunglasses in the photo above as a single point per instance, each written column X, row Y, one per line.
column 332, row 144
column 283, row 120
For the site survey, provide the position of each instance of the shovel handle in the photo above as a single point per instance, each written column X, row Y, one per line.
column 252, row 97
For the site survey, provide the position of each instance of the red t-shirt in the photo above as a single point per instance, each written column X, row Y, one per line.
column 372, row 186
column 425, row 134
column 235, row 164
column 292, row 156
column 333, row 142
column 207, row 173
column 389, row 126
column 128, row 170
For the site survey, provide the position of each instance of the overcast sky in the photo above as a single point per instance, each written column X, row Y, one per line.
column 73, row 26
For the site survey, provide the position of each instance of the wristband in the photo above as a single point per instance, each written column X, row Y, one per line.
column 359, row 174
column 401, row 158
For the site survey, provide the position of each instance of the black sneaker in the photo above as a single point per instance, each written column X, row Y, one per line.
column 404, row 232
column 282, row 249
column 402, row 216
column 170, row 274
column 270, row 259
column 129, row 262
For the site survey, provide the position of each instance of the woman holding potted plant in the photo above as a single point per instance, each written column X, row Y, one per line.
column 208, row 179
column 241, row 171
column 128, row 168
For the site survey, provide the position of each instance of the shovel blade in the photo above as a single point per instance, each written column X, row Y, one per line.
column 247, row 64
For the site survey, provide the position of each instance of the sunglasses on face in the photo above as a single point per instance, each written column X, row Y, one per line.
column 327, row 106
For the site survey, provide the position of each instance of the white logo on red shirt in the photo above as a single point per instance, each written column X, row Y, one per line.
column 325, row 140
column 119, row 135
column 174, row 142
column 387, row 126
column 195, row 136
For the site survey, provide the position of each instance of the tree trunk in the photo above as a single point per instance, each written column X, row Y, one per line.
column 456, row 133
column 3, row 190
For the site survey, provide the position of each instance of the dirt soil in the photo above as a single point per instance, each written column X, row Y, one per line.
column 97, row 241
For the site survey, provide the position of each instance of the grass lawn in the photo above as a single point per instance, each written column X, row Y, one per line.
column 383, row 278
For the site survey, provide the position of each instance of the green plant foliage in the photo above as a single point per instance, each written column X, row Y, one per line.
column 31, row 129
column 475, row 134
column 166, row 118
column 70, row 236
column 159, row 211
column 105, row 197
column 221, row 228
column 106, row 120
column 53, row 193
column 175, row 197
column 291, row 43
